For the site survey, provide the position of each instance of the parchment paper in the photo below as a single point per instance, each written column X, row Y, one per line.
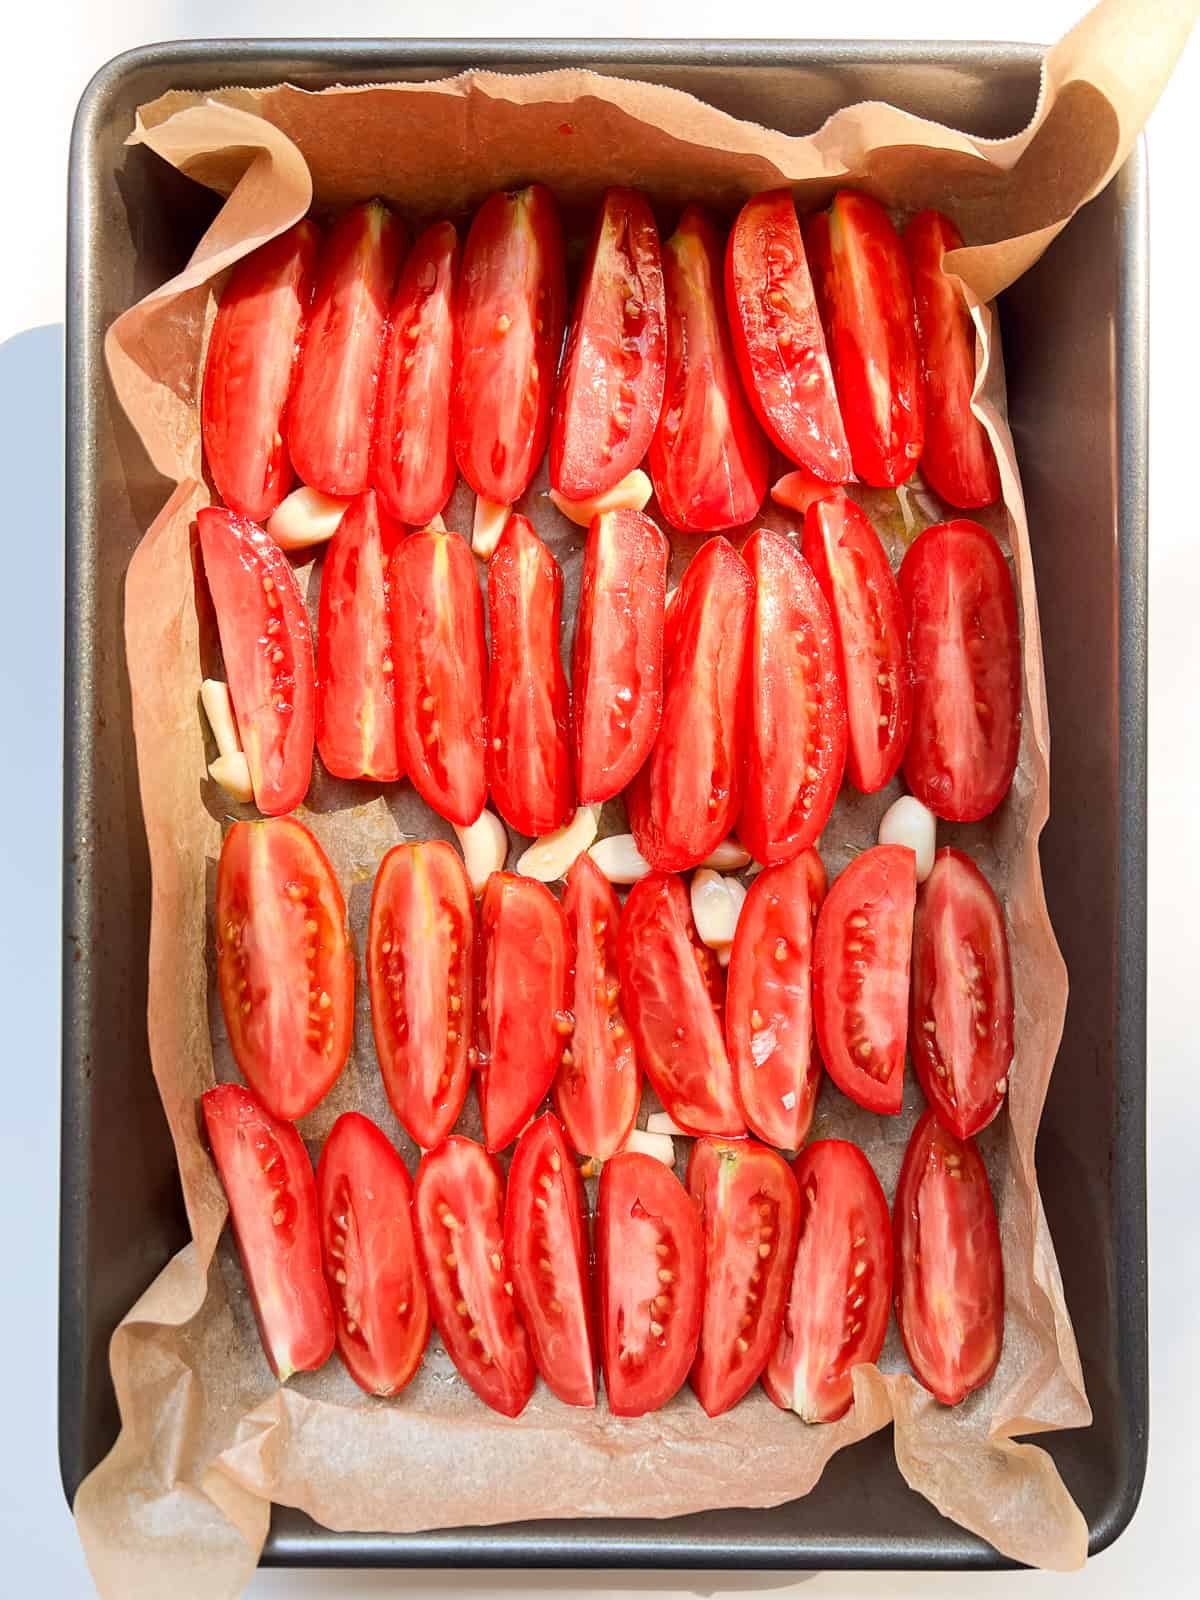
column 208, row 1438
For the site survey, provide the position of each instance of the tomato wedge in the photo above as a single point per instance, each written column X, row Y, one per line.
column 795, row 706
column 441, row 669
column 285, row 968
column 860, row 975
column 529, row 751
column 964, row 647
column 369, row 1246
column 249, row 368
column 268, row 653
column 708, row 459
column 273, row 1207
column 949, row 1269
column 460, row 1228
column 650, row 1262
column 866, row 301
column 850, row 564
column 768, row 1005
column 778, row 338
column 957, row 459
column 749, row 1213
column 508, row 328
column 841, row 1288
column 610, row 389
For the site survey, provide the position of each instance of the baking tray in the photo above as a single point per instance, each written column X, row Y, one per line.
column 1075, row 341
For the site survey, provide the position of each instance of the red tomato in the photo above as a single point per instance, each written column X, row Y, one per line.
column 866, row 301
column 545, row 1238
column 749, row 1213
column 964, row 647
column 412, row 461
column 441, row 668
column 598, row 1086
column 844, row 551
column 708, row 459
column 841, row 1288
column 795, row 707
column 860, row 975
column 249, row 367
column 957, row 459
column 610, row 389
column 671, row 986
column 509, row 315
column 949, row 1271
column 529, row 749
column 369, row 1247
column 650, row 1264
column 460, row 1212
column 332, row 410
column 962, row 999
column 421, row 973
column 273, row 1207
column 268, row 653
column 768, row 1006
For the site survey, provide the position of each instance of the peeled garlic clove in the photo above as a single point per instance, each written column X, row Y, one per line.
column 550, row 857
column 485, row 848
column 661, row 1122
column 232, row 772
column 799, row 490
column 490, row 522
column 218, row 708
column 906, row 821
column 619, row 859
column 658, row 1145
column 435, row 524
column 305, row 517
column 716, row 906
column 729, row 856
column 631, row 494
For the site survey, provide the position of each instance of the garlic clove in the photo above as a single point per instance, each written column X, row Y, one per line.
column 550, row 857
column 658, row 1145
column 490, row 522
column 906, row 821
column 662, row 1122
column 631, row 494
column 218, row 708
column 729, row 856
column 305, row 517
column 435, row 524
column 716, row 906
column 619, row 859
column 484, row 846
column 232, row 772
column 798, row 490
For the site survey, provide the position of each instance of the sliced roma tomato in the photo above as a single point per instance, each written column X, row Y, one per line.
column 372, row 1267
column 844, row 551
column 672, row 991
column 421, row 973
column 768, row 1005
column 650, row 1262
column 795, row 705
column 441, row 669
column 949, row 1270
column 273, row 1207
column 860, row 975
column 460, row 1228
column 598, row 1086
column 529, row 749
column 610, row 389
column 866, row 301
column 285, row 968
column 957, row 459
column 268, row 653
column 964, row 648
column 841, row 1287
column 412, row 461
column 962, row 998
column 749, row 1212
column 356, row 705
column 545, row 1238
column 708, row 458
column 778, row 339
column 249, row 367
column 508, row 327
column 685, row 799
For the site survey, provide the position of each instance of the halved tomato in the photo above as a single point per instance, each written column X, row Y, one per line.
column 841, row 1288
column 860, row 975
column 964, row 648
column 285, row 968
column 268, row 653
column 460, row 1228
column 949, row 1268
column 273, row 1207
column 650, row 1261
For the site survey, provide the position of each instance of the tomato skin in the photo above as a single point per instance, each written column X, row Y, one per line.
column 265, row 1169
column 966, row 725
column 949, row 1268
column 285, row 967
column 841, row 1288
column 650, row 1269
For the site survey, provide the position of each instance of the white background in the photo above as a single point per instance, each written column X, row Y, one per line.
column 51, row 50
